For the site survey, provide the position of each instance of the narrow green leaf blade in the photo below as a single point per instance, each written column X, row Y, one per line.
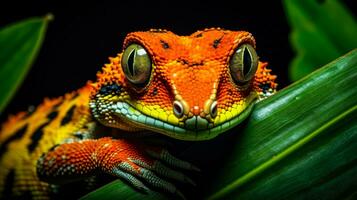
column 321, row 32
column 120, row 190
column 19, row 45
column 299, row 140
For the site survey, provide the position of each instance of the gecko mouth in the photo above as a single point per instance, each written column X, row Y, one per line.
column 131, row 115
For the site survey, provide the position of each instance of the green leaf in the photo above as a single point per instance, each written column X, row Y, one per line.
column 322, row 30
column 120, row 190
column 19, row 45
column 300, row 143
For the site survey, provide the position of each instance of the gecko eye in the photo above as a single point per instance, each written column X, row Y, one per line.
column 243, row 64
column 136, row 64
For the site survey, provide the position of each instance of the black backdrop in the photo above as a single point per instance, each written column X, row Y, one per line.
column 83, row 36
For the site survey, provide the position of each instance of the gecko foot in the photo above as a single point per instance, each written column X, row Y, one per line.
column 141, row 165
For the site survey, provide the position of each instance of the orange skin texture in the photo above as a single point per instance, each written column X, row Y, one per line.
column 191, row 68
column 82, row 159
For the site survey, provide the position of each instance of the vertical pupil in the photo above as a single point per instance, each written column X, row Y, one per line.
column 131, row 62
column 247, row 61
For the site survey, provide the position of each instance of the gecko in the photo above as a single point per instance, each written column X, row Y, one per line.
column 189, row 88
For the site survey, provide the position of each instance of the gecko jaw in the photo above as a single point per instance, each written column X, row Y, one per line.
column 130, row 115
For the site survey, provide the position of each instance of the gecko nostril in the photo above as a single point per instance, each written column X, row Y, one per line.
column 178, row 109
column 213, row 109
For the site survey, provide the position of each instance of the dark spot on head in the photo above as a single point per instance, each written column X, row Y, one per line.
column 164, row 44
column 52, row 115
column 9, row 183
column 190, row 64
column 36, row 137
column 216, row 42
column 68, row 117
column 198, row 35
column 196, row 64
column 17, row 135
column 154, row 92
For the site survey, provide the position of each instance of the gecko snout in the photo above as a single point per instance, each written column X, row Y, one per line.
column 198, row 115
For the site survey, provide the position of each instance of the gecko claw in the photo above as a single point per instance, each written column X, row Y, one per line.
column 165, row 156
column 156, row 181
column 144, row 171
column 136, row 183
column 153, row 174
column 163, row 170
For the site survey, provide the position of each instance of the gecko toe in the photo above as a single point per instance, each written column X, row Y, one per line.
column 136, row 183
column 165, row 156
column 165, row 171
column 158, row 182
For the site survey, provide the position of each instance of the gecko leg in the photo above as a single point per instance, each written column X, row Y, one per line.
column 133, row 161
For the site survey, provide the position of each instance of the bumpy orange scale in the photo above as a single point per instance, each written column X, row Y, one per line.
column 193, row 71
column 57, row 142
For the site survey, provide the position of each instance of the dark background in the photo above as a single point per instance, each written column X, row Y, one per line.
column 83, row 36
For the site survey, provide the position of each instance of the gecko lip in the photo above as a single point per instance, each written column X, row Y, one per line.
column 196, row 123
column 129, row 114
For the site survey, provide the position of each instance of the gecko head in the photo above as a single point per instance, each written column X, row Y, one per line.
column 186, row 87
